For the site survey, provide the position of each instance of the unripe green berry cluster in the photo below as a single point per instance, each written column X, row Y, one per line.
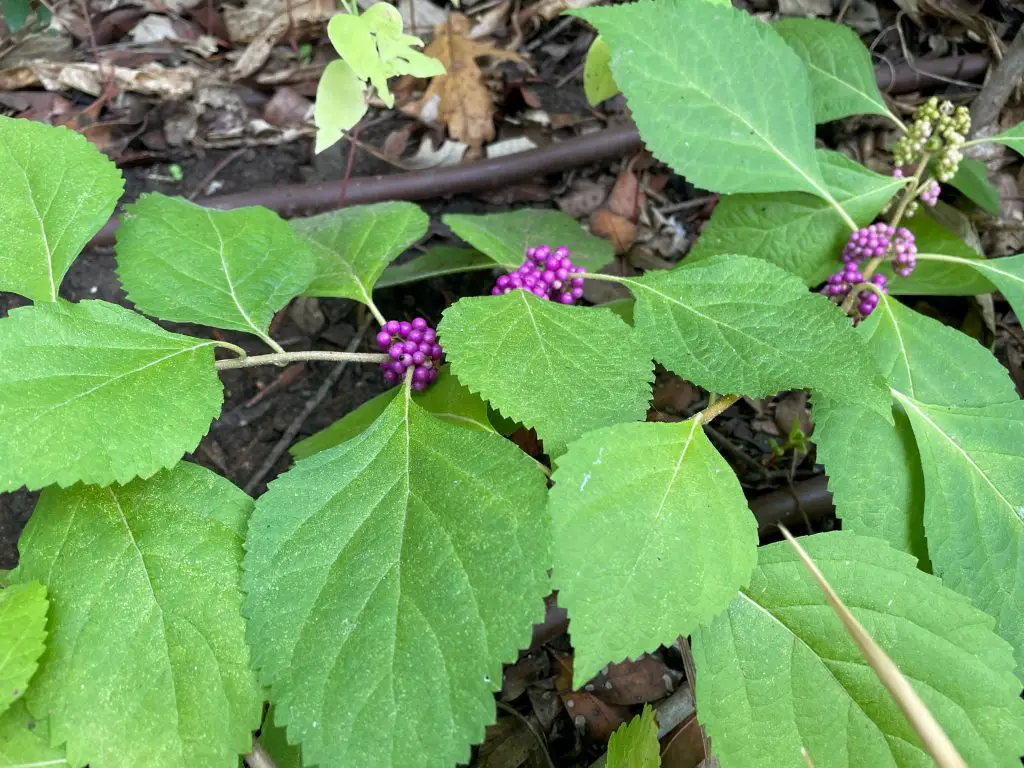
column 939, row 129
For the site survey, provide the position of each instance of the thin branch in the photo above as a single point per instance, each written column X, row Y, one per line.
column 717, row 408
column 285, row 358
column 293, row 429
column 259, row 758
column 935, row 741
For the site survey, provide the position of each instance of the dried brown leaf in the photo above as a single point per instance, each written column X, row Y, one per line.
column 619, row 230
column 626, row 198
column 459, row 98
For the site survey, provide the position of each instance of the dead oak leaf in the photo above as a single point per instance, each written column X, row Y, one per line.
column 459, row 98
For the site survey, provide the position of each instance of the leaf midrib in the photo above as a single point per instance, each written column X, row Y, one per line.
column 29, row 422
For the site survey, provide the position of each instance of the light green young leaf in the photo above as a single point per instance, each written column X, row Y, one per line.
column 874, row 473
column 22, row 637
column 839, row 67
column 726, row 324
column 638, row 509
column 635, row 744
column 354, row 245
column 340, row 103
column 274, row 739
column 388, row 578
column 25, row 741
column 598, row 81
column 374, row 47
column 799, row 232
column 939, row 278
column 446, row 398
column 506, row 236
column 973, row 460
column 93, row 392
column 931, row 362
column 694, row 104
column 563, row 370
column 227, row 269
column 437, row 262
column 972, row 180
column 146, row 664
column 777, row 672
column 1013, row 138
column 58, row 190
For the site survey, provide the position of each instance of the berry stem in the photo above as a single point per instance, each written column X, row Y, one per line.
column 377, row 315
column 717, row 408
column 285, row 358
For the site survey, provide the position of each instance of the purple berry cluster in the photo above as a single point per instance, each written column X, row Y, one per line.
column 869, row 242
column 410, row 345
column 930, row 194
column 876, row 241
column 546, row 274
column 839, row 285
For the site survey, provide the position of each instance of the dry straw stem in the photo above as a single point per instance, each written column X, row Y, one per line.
column 934, row 739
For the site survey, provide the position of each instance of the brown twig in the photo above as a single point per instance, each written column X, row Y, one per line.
column 293, row 429
column 224, row 163
column 996, row 92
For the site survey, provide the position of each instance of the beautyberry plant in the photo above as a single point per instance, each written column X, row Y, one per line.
column 371, row 595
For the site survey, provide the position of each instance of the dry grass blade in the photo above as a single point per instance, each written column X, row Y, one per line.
column 934, row 739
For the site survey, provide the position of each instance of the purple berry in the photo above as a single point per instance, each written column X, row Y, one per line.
column 404, row 328
column 416, row 335
column 429, row 334
column 392, row 326
column 383, row 339
column 419, row 323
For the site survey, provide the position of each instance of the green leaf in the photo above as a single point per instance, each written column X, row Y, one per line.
column 777, row 671
column 506, row 236
column 874, row 473
column 446, row 398
column 1006, row 273
column 354, row 245
column 563, row 370
column 972, row 180
column 58, row 190
column 25, row 741
column 1013, row 138
column 635, row 744
column 973, row 461
column 793, row 230
column 93, row 392
column 637, row 510
column 340, row 104
column 598, row 81
column 388, row 578
column 274, row 740
column 839, row 67
column 374, row 47
column 22, row 637
column 146, row 664
column 694, row 104
column 17, row 13
column 437, row 262
column 931, row 362
column 227, row 269
column 880, row 491
column 726, row 324
column 939, row 278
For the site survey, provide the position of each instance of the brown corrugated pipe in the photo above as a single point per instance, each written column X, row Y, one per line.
column 307, row 199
